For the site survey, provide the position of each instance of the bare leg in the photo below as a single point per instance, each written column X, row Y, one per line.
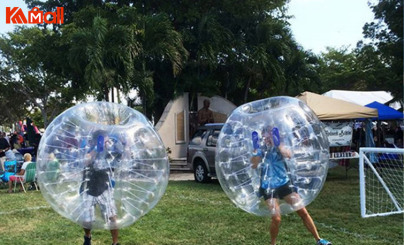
column 10, row 186
column 87, row 232
column 308, row 222
column 273, row 207
column 2, row 160
column 114, row 234
column 295, row 200
column 12, row 182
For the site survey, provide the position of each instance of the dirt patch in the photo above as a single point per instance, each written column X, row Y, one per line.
column 181, row 176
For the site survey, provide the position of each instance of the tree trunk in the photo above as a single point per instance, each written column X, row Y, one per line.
column 247, row 87
column 106, row 92
column 117, row 96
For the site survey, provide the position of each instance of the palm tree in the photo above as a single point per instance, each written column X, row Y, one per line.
column 160, row 44
column 104, row 54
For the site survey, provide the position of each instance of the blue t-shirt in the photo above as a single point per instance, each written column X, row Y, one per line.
column 273, row 169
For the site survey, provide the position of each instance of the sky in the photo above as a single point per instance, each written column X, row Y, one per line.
column 316, row 24
column 9, row 3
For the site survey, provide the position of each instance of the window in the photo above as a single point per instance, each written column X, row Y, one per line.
column 212, row 139
column 197, row 138
column 180, row 128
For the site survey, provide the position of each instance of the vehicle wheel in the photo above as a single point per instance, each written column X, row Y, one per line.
column 201, row 173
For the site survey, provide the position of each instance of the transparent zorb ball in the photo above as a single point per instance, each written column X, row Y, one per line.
column 102, row 165
column 258, row 129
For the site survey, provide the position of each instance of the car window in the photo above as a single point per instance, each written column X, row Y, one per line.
column 197, row 138
column 212, row 138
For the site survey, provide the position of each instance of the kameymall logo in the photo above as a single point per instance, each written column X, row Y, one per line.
column 15, row 15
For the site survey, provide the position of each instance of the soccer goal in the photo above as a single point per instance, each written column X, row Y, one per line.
column 381, row 173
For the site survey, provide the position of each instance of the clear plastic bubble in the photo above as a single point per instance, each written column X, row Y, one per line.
column 102, row 165
column 289, row 145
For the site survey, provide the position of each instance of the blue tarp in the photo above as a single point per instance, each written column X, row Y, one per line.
column 385, row 112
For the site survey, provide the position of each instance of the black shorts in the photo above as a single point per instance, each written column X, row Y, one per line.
column 279, row 192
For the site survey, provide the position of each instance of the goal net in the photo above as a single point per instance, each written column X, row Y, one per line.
column 381, row 173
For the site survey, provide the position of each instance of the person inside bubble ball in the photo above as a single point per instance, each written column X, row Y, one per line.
column 275, row 183
column 97, row 186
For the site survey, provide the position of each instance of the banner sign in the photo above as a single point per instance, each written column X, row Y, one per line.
column 339, row 133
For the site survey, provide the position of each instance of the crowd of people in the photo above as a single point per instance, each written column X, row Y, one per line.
column 14, row 145
column 388, row 135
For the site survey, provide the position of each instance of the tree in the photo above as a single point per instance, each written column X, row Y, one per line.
column 375, row 64
column 121, row 48
column 103, row 54
column 302, row 72
column 30, row 56
column 239, row 49
column 243, row 50
column 386, row 36
column 12, row 106
column 160, row 45
column 338, row 70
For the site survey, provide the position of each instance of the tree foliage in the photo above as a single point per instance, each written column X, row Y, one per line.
column 30, row 57
column 102, row 56
column 386, row 35
column 242, row 50
column 377, row 62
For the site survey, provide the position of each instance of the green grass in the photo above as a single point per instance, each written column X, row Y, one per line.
column 191, row 213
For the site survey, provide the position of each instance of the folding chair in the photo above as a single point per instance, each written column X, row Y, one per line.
column 29, row 176
column 10, row 169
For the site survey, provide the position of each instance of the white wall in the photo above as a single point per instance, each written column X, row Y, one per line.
column 217, row 104
column 166, row 126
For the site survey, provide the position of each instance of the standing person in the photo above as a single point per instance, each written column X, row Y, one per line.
column 13, row 178
column 4, row 147
column 398, row 136
column 97, row 187
column 21, row 139
column 205, row 115
column 275, row 183
column 37, row 139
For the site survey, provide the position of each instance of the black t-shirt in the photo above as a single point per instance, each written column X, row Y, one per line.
column 96, row 181
column 13, row 140
column 3, row 145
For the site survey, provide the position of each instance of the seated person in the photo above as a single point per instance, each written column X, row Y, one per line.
column 14, row 142
column 13, row 178
column 6, row 171
column 4, row 147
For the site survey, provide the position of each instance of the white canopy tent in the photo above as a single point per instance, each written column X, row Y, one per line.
column 362, row 97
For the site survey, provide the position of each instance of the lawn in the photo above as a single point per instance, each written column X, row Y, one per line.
column 191, row 213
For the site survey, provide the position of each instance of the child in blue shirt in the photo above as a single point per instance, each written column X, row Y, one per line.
column 275, row 183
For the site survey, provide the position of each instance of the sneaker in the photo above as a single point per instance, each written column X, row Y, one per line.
column 323, row 242
column 87, row 240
